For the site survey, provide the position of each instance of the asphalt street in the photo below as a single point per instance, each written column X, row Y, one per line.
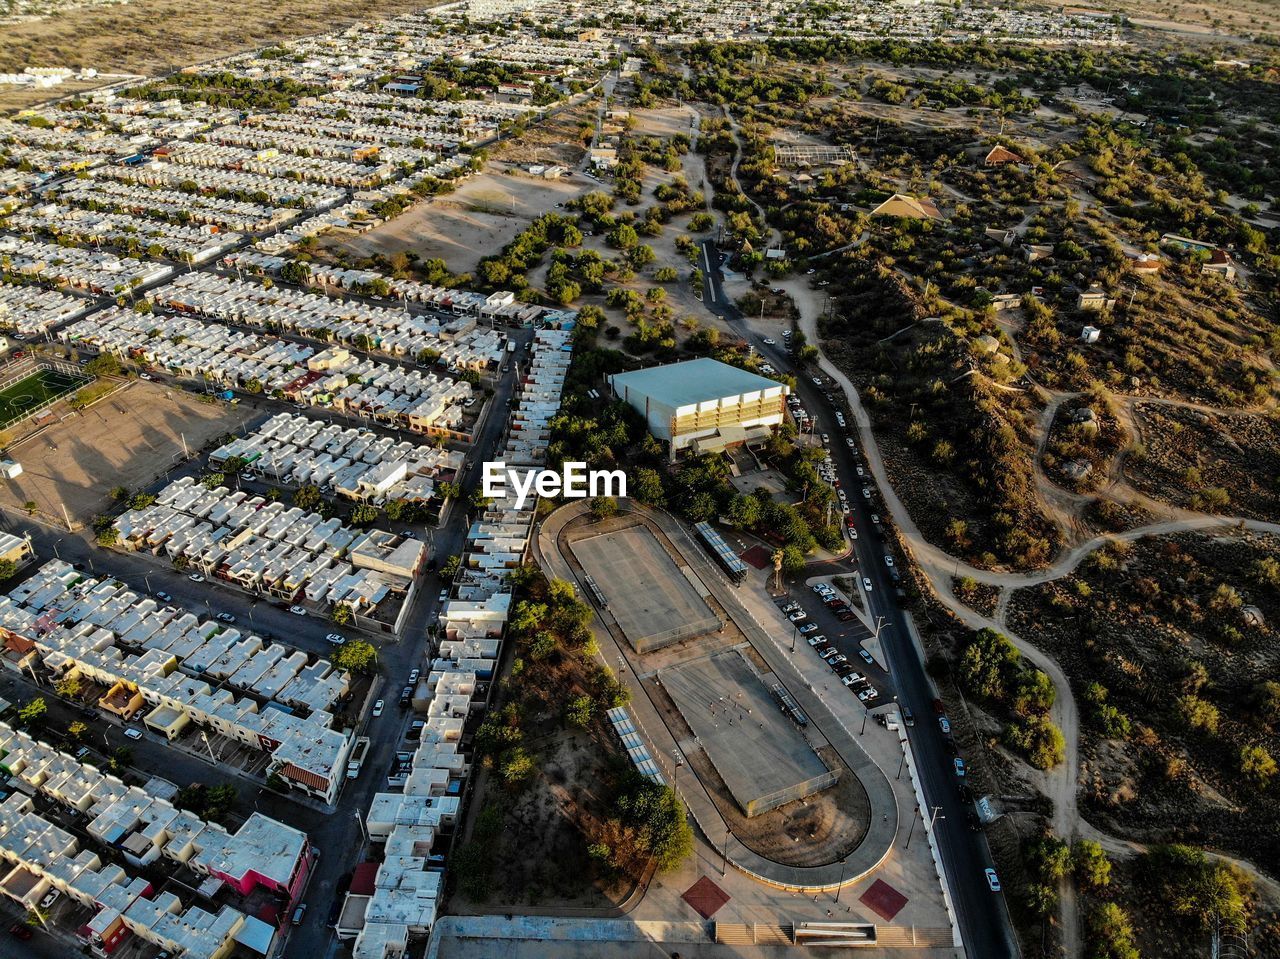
column 337, row 833
column 983, row 916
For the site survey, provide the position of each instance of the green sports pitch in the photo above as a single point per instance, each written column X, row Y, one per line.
column 31, row 393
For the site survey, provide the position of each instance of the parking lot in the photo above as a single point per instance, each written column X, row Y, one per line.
column 846, row 638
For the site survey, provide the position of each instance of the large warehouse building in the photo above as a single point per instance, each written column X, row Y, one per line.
column 703, row 405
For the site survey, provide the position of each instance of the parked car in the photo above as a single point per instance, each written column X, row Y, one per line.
column 297, row 611
column 808, row 628
column 866, row 583
column 378, row 707
column 797, row 616
column 163, row 596
column 337, row 639
column 413, row 675
column 888, row 560
column 225, row 618
column 851, row 679
column 196, row 578
column 837, row 659
column 845, row 615
column 299, row 913
column 908, row 716
column 869, row 694
column 945, row 725
column 132, row 733
column 821, row 588
column 769, row 341
column 50, row 897
column 958, row 763
column 993, row 881
column 866, row 657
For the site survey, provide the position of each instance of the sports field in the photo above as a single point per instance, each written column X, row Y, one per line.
column 31, row 392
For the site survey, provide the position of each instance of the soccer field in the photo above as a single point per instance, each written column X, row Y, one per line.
column 32, row 392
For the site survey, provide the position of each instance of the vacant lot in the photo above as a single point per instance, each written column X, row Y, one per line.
column 127, row 440
column 476, row 221
column 154, row 36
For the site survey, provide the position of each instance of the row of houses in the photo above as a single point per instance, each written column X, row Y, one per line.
column 192, row 244
column 92, row 270
column 272, row 162
column 387, row 328
column 239, row 184
column 46, row 858
column 173, row 206
column 30, row 310
column 147, row 828
column 396, row 899
column 355, row 463
column 278, row 551
column 158, row 679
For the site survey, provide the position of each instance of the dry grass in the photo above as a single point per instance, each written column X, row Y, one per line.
column 152, row 36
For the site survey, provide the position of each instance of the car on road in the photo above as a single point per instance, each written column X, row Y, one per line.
column 163, row 596
column 808, row 628
column 299, row 913
column 888, row 560
column 378, row 707
column 337, row 639
column 866, row 583
column 958, row 763
column 848, row 441
column 826, row 440
column 867, row 657
column 297, row 611
column 797, row 616
column 993, row 881
column 225, row 618
column 866, row 493
column 406, row 695
column 945, row 725
column 132, row 733
column 868, row 694
column 196, row 578
column 20, row 930
column 769, row 341
column 413, row 675
column 144, row 376
column 860, row 471
column 817, row 380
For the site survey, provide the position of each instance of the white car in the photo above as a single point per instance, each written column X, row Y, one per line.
column 196, row 578
column 944, row 724
column 378, row 707
column 797, row 617
column 50, row 897
column 817, row 381
column 866, row 583
column 848, row 441
column 888, row 561
column 993, row 881
column 868, row 694
column 336, row 639
column 821, row 588
column 132, row 733
column 297, row 611
column 769, row 341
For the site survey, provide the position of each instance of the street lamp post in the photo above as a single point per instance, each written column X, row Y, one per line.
column 865, row 713
column 911, row 832
column 724, row 853
column 840, row 888
column 795, row 629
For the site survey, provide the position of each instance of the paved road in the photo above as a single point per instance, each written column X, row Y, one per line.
column 336, row 833
column 983, row 916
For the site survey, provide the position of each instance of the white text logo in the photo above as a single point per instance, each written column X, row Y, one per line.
column 574, row 481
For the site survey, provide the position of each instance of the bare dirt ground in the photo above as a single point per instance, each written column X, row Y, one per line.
column 474, row 222
column 128, row 439
column 153, row 36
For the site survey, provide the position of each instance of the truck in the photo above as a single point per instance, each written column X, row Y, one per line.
column 356, row 759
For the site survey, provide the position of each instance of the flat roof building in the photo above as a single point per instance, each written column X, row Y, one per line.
column 703, row 405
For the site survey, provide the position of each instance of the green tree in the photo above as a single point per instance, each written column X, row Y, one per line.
column 646, row 487
column 1090, row 863
column 68, row 686
column 308, row 498
column 32, row 711
column 341, row 614
column 579, row 711
column 602, row 507
column 1257, row 766
column 7, row 569
column 356, row 657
